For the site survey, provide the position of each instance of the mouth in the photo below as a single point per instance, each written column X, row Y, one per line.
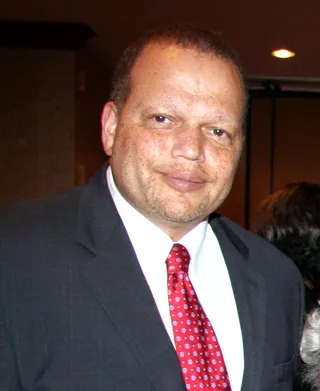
column 184, row 183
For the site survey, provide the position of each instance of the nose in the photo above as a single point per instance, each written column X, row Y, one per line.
column 189, row 144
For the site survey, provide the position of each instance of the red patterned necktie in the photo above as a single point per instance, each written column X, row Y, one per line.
column 197, row 347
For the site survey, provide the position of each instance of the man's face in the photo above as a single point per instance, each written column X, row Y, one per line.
column 177, row 140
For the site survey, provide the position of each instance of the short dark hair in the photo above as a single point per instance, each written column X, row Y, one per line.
column 187, row 36
column 290, row 220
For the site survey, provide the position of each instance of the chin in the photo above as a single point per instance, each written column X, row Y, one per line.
column 180, row 216
column 178, row 209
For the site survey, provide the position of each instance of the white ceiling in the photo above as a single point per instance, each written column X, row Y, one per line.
column 252, row 27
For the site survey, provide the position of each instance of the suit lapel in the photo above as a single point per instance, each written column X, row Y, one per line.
column 113, row 274
column 249, row 291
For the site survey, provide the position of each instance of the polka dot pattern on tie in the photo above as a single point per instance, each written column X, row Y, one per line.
column 197, row 347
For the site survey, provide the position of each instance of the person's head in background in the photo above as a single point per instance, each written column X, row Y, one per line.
column 174, row 126
column 310, row 350
column 290, row 220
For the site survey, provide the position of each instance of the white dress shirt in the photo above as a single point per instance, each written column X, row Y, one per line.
column 207, row 271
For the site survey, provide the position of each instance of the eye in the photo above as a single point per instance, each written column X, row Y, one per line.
column 162, row 119
column 218, row 132
column 220, row 135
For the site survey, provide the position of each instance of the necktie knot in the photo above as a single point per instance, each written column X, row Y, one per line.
column 178, row 259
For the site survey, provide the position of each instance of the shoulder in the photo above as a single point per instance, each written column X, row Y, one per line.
column 248, row 237
column 32, row 229
column 30, row 216
column 262, row 255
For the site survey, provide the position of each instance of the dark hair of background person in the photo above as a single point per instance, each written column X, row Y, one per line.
column 191, row 37
column 290, row 220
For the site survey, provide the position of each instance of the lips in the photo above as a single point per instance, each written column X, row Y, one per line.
column 184, row 183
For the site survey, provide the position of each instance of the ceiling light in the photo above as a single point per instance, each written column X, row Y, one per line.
column 283, row 53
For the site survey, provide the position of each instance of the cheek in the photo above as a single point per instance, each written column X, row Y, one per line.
column 152, row 148
column 125, row 143
column 224, row 164
column 137, row 152
column 158, row 149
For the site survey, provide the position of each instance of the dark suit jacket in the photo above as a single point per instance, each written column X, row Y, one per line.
column 77, row 314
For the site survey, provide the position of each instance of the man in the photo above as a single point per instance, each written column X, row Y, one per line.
column 92, row 294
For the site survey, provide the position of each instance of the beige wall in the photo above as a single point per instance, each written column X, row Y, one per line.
column 50, row 105
column 92, row 87
column 36, row 123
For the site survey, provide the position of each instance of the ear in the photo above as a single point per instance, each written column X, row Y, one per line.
column 109, row 121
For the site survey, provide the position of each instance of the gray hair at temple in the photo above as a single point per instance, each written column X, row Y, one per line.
column 310, row 350
column 190, row 37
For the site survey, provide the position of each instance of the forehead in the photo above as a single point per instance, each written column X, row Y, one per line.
column 169, row 71
column 159, row 57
